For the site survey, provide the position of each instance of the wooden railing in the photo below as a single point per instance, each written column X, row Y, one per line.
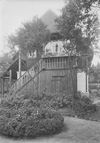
column 58, row 62
column 27, row 76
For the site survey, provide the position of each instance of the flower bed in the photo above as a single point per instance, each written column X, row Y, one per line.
column 21, row 118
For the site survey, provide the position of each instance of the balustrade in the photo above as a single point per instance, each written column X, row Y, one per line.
column 26, row 77
column 56, row 62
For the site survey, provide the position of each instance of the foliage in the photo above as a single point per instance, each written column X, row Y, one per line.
column 78, row 24
column 94, row 80
column 54, row 102
column 20, row 117
column 83, row 106
column 5, row 61
column 30, row 37
column 80, row 104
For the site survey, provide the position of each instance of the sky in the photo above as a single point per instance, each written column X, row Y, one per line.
column 15, row 12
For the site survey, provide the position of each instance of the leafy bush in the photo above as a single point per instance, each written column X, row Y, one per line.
column 83, row 106
column 56, row 101
column 23, row 117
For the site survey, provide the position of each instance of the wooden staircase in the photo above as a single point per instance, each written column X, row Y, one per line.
column 28, row 76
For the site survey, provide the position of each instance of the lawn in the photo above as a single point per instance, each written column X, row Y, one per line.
column 75, row 131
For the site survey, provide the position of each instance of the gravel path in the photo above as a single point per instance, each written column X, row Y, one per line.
column 77, row 131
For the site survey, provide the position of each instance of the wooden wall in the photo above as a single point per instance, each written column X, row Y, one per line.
column 57, row 78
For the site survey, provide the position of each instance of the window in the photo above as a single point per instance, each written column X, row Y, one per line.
column 32, row 54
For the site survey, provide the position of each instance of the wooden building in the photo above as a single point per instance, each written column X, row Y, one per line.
column 54, row 73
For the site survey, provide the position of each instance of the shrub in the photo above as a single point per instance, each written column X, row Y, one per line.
column 83, row 106
column 24, row 118
column 56, row 101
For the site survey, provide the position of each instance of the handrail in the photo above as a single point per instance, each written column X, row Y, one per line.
column 47, row 63
column 27, row 76
column 26, row 83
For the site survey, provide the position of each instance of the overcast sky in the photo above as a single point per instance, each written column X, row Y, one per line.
column 15, row 12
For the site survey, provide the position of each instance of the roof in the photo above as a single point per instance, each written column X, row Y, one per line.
column 14, row 66
column 49, row 20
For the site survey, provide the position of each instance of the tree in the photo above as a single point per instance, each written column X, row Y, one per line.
column 78, row 24
column 30, row 37
column 5, row 61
